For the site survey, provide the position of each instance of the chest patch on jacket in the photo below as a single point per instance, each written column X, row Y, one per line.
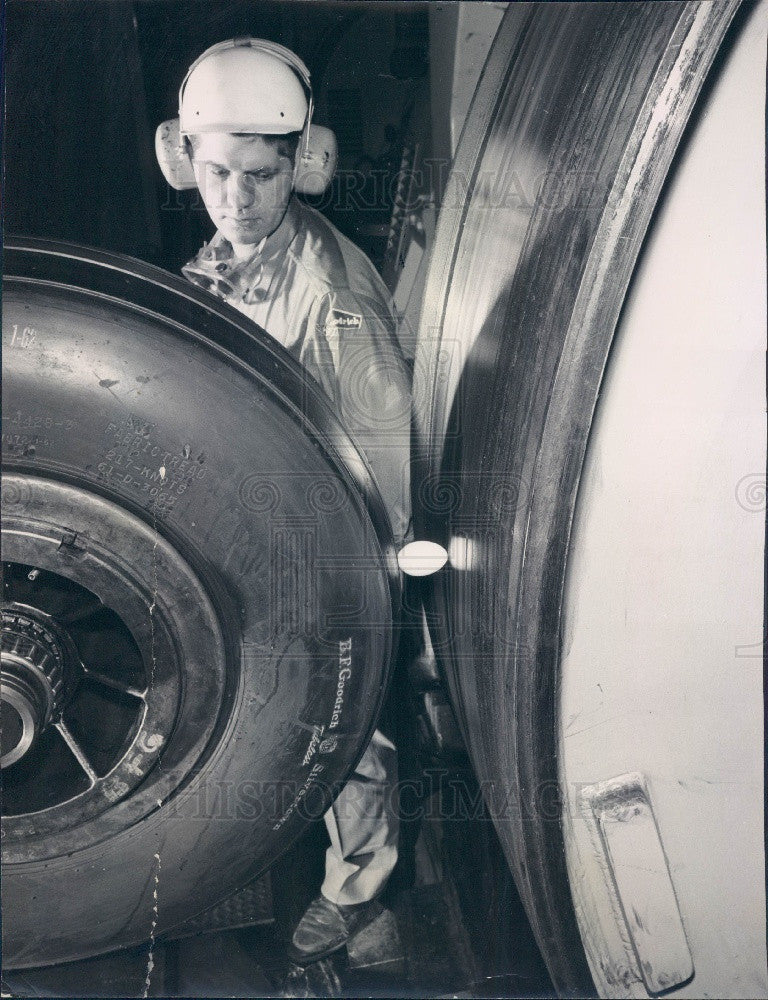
column 344, row 320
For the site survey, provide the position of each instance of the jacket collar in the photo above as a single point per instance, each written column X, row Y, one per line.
column 216, row 268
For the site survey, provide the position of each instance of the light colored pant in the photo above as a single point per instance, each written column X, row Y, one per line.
column 363, row 825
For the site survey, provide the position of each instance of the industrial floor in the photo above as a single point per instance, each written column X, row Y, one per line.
column 457, row 930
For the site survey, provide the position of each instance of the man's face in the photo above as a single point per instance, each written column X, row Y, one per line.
column 245, row 184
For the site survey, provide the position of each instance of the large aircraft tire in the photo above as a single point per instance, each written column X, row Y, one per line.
column 199, row 595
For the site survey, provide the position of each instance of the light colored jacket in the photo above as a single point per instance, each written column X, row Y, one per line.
column 320, row 297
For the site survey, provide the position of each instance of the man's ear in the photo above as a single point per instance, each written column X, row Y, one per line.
column 316, row 164
column 172, row 156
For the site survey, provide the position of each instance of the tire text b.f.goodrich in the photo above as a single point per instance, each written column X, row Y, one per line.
column 345, row 671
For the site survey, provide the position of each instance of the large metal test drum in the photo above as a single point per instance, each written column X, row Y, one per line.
column 593, row 454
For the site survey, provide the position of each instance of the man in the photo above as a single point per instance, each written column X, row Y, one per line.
column 244, row 124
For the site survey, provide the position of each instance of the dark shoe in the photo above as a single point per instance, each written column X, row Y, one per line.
column 326, row 927
column 318, row 979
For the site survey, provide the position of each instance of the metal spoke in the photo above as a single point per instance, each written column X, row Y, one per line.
column 110, row 682
column 77, row 750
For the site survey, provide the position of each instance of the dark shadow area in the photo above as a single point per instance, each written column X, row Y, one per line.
column 79, row 137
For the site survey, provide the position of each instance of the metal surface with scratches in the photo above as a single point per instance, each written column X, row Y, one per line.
column 662, row 669
column 567, row 145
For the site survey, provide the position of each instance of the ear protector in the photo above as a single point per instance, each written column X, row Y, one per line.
column 253, row 86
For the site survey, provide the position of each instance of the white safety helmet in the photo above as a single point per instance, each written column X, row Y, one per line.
column 247, row 85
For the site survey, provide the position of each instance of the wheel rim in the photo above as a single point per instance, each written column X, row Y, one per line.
column 117, row 696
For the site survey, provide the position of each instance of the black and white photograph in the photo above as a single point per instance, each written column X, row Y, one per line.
column 384, row 499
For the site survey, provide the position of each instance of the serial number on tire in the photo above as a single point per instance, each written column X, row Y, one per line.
column 23, row 337
column 135, row 460
column 29, row 422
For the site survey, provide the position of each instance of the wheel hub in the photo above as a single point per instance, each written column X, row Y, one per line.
column 111, row 658
column 37, row 661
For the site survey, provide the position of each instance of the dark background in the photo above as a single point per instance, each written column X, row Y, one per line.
column 88, row 81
